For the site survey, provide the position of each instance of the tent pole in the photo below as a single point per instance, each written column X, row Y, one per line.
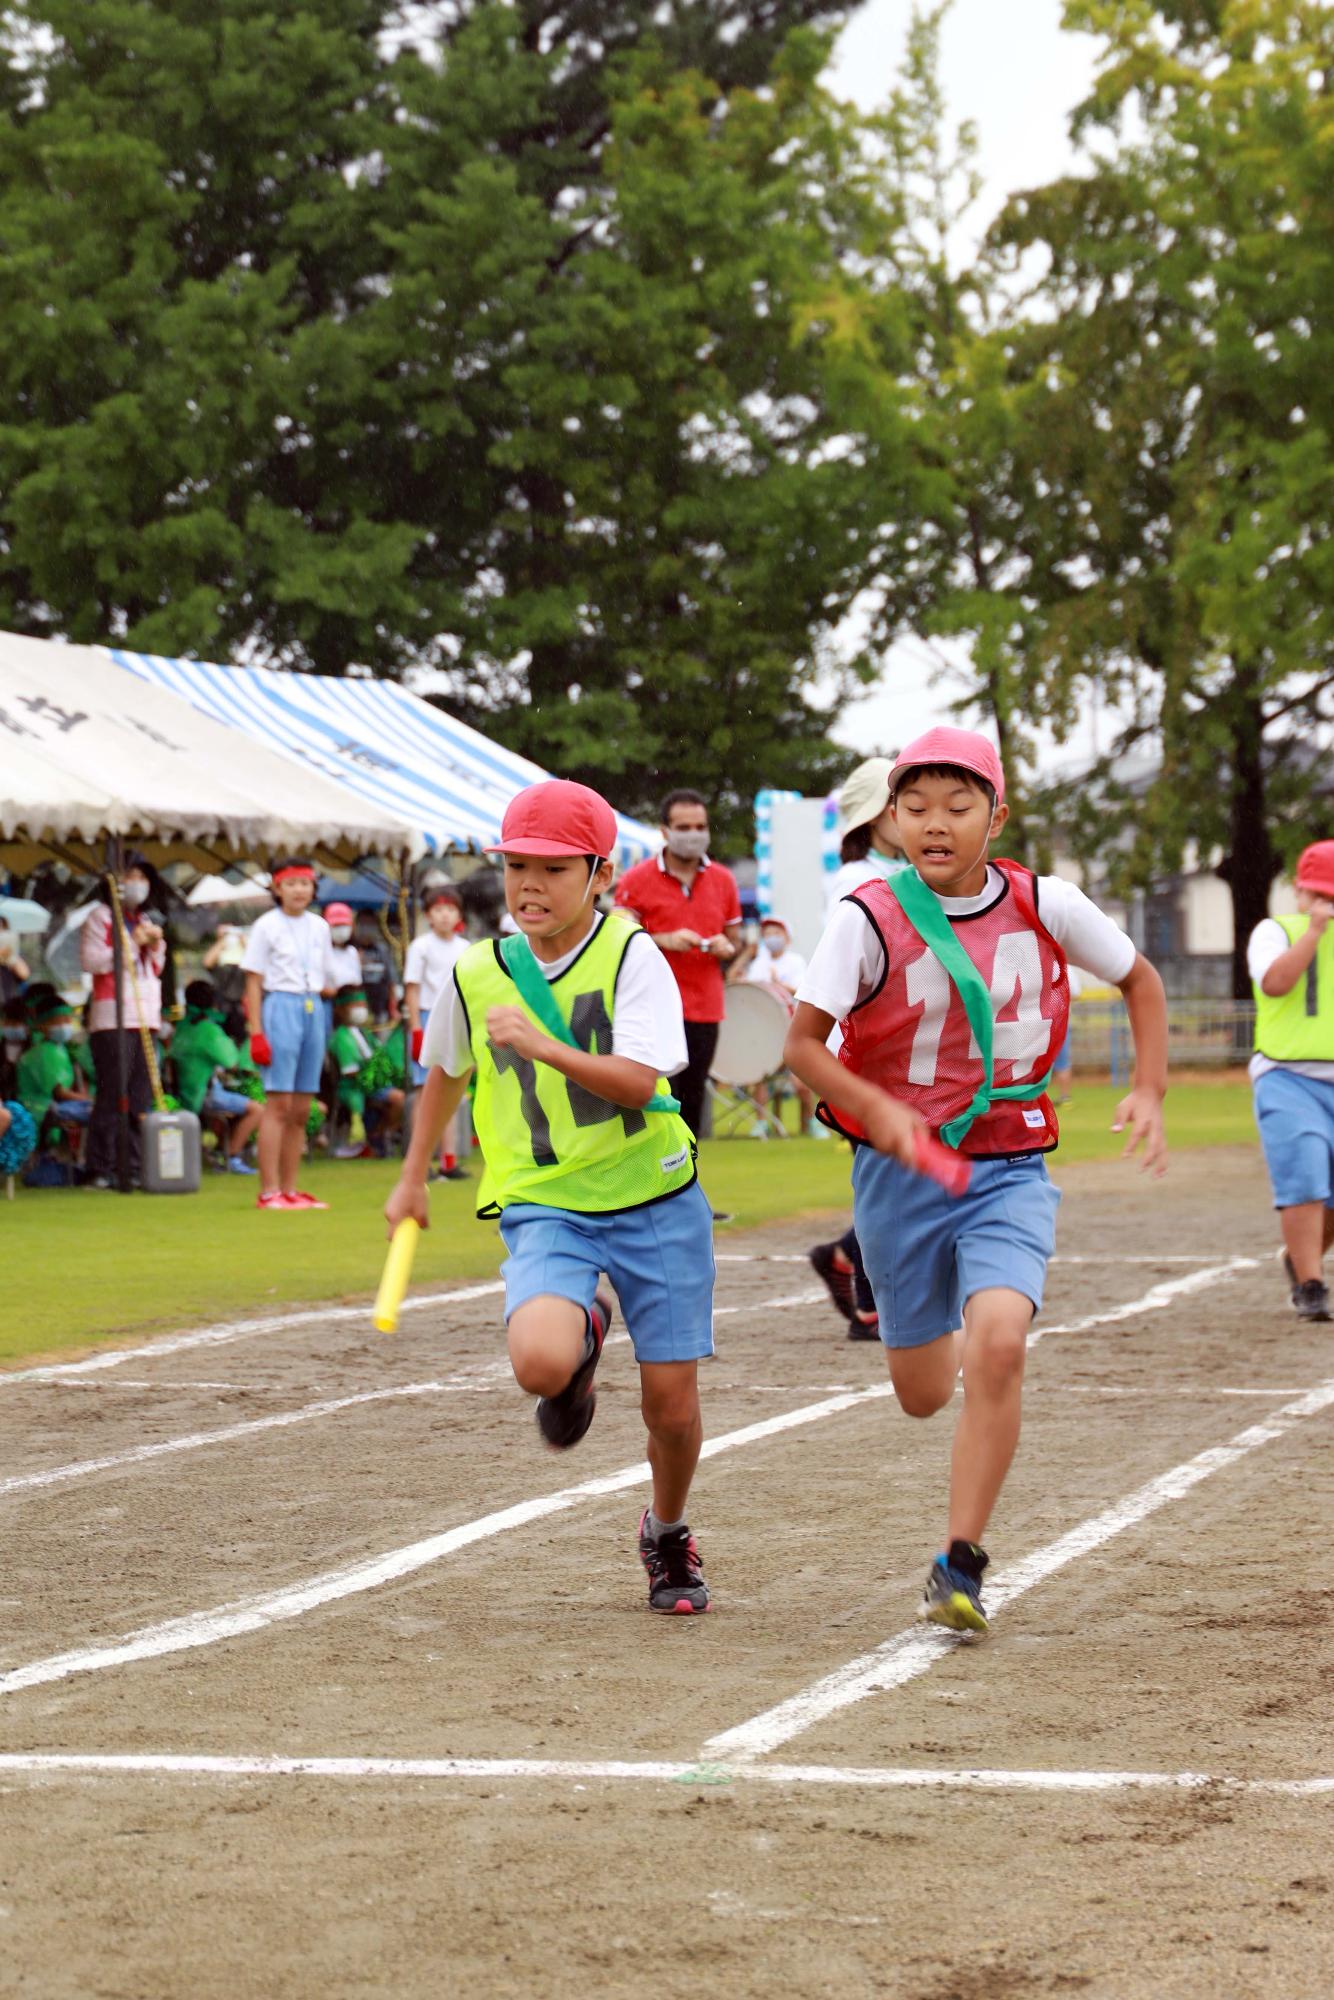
column 406, row 872
column 122, row 1080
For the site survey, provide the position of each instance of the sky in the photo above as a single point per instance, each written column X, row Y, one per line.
column 1009, row 68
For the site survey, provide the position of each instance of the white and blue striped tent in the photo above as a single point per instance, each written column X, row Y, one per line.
column 378, row 740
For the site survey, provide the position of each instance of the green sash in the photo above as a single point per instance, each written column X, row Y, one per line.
column 922, row 909
column 536, row 993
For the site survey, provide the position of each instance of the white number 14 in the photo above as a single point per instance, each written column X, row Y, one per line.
column 1020, row 1041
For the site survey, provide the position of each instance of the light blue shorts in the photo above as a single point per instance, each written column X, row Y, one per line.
column 926, row 1254
column 1295, row 1115
column 72, row 1110
column 659, row 1257
column 295, row 1029
column 225, row 1103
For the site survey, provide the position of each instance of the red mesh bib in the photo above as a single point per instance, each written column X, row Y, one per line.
column 913, row 1038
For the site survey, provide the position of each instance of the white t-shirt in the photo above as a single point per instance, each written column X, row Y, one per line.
column 431, row 960
column 1269, row 941
column 872, row 868
column 785, row 970
column 849, row 959
column 291, row 954
column 347, row 965
column 647, row 1024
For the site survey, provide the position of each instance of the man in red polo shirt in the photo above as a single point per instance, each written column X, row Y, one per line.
column 690, row 907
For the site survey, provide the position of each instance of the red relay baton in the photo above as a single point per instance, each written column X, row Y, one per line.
column 940, row 1163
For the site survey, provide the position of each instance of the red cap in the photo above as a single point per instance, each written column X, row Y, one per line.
column 337, row 913
column 945, row 745
column 1315, row 870
column 557, row 817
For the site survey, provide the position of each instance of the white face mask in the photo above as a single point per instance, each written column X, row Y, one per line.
column 775, row 942
column 133, row 894
column 358, row 1016
column 341, row 933
column 688, row 846
column 62, row 1032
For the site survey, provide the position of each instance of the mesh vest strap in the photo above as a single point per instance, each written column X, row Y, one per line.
column 536, row 994
column 922, row 909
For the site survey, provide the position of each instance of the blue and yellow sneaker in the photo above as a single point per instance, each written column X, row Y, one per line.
column 953, row 1594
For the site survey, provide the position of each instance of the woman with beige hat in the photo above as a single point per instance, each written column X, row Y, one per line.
column 869, row 851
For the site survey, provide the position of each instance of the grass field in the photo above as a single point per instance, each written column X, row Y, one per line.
column 85, row 1266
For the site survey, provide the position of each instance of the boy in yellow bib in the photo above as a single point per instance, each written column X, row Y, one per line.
column 571, row 1025
column 1291, row 963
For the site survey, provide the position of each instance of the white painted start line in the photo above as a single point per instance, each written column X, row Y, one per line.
column 902, row 1778
column 255, row 1613
column 915, row 1651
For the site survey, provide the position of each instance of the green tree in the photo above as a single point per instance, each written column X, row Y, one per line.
column 1178, row 346
column 477, row 348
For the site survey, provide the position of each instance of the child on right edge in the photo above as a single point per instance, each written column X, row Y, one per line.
column 1291, row 962
column 956, row 958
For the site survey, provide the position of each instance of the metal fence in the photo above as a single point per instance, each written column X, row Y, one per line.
column 1201, row 1034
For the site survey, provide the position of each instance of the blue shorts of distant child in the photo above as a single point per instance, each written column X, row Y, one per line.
column 1295, row 1115
column 927, row 1253
column 294, row 1024
column 659, row 1257
column 72, row 1110
column 219, row 1102
column 419, row 1070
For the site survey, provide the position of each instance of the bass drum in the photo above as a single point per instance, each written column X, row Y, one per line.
column 750, row 1035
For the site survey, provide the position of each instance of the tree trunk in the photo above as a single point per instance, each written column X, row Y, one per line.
column 1252, row 865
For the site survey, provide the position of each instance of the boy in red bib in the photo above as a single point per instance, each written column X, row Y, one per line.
column 950, row 983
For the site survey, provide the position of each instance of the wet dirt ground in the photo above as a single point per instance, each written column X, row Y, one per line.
column 309, row 1543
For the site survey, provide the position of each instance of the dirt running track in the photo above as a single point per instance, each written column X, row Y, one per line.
column 292, row 1591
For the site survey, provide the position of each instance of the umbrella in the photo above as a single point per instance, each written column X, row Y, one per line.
column 24, row 916
column 217, row 889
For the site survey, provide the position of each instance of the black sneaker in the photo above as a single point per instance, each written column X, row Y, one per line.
column 838, row 1283
column 563, row 1419
column 454, row 1173
column 675, row 1579
column 864, row 1329
column 1311, row 1300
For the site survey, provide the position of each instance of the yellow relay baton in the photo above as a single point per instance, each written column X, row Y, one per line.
column 396, row 1276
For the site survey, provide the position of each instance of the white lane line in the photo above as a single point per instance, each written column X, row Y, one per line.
column 915, row 1651
column 201, row 1765
column 1106, row 1257
column 236, row 1329
column 792, row 1299
column 1157, row 1296
column 253, row 1614
column 56, row 1475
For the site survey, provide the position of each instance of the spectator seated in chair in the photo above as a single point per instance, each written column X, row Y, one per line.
column 51, row 1090
column 214, row 1078
column 369, row 1084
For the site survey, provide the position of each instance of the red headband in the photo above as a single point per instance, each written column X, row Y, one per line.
column 297, row 869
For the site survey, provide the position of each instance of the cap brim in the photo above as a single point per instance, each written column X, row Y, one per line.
column 557, row 849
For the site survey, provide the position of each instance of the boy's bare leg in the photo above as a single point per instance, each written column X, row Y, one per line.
column 272, row 1127
column 1308, row 1228
column 241, row 1128
column 669, row 1399
column 293, row 1138
column 924, row 1377
column 546, row 1343
column 995, row 1346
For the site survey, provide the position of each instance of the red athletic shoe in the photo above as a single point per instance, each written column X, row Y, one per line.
column 303, row 1200
column 275, row 1201
column 675, row 1578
